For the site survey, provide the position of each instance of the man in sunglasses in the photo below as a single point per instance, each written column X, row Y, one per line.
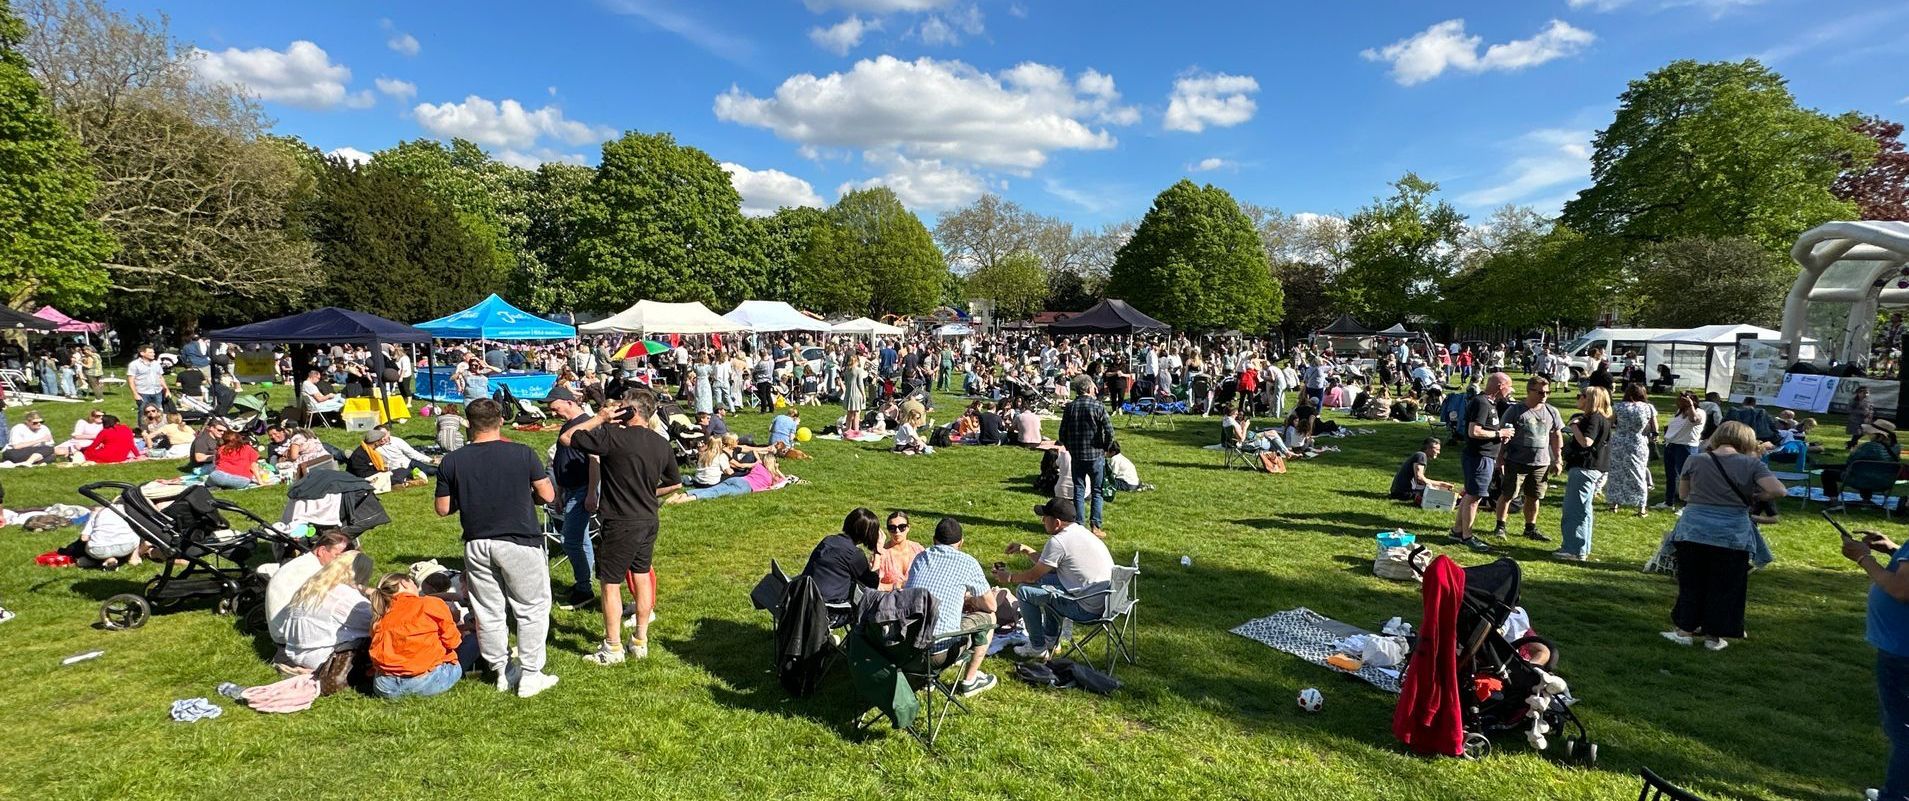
column 1531, row 456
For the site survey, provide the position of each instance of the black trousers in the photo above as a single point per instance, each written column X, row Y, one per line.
column 766, row 397
column 1712, row 587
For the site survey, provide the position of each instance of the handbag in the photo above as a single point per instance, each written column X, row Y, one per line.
column 1665, row 560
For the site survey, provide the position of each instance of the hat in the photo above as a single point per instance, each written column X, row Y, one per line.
column 559, row 392
column 375, row 436
column 1880, row 427
column 1057, row 509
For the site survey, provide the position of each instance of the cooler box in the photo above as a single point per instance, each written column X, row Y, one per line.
column 360, row 421
column 1435, row 498
column 394, row 408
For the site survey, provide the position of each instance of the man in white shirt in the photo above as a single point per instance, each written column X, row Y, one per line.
column 148, row 379
column 327, row 546
column 1027, row 428
column 316, row 399
column 1074, row 562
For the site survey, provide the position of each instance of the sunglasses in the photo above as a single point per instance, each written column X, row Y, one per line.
column 899, row 527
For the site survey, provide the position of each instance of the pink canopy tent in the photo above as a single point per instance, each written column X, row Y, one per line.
column 66, row 324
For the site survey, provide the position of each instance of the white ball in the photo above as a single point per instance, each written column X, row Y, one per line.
column 1311, row 700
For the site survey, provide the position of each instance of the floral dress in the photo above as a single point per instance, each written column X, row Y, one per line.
column 1628, row 481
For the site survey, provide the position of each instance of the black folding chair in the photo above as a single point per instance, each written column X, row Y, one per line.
column 1657, row 789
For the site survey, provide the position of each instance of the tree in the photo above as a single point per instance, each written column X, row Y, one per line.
column 986, row 232
column 1301, row 250
column 1397, row 252
column 1715, row 150
column 1881, row 189
column 781, row 239
column 871, row 256
column 196, row 200
column 490, row 199
column 390, row 247
column 1705, row 281
column 660, row 221
column 1015, row 284
column 1523, row 272
column 1196, row 263
column 51, row 247
column 555, row 216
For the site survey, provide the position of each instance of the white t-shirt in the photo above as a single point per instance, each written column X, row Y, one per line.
column 1123, row 469
column 712, row 473
column 1078, row 558
column 284, row 584
column 108, row 532
column 147, row 377
column 1684, row 431
column 20, row 436
column 1028, row 427
column 343, row 616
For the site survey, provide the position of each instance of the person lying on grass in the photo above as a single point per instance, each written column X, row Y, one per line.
column 765, row 475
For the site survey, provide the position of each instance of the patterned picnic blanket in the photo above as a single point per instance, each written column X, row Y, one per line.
column 1309, row 635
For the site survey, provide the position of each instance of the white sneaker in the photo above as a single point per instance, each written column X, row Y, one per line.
column 1030, row 651
column 1680, row 639
column 1716, row 644
column 508, row 677
column 607, row 654
column 1660, row 506
column 639, row 649
column 533, row 683
column 630, row 622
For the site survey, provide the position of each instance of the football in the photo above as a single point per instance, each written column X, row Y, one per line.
column 1310, row 700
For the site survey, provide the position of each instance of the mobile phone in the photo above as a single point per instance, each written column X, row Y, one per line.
column 1848, row 536
column 1000, row 566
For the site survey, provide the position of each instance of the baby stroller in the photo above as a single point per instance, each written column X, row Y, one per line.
column 203, row 556
column 1504, row 689
column 248, row 414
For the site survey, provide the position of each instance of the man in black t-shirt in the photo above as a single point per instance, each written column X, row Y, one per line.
column 575, row 475
column 636, row 469
column 494, row 485
column 990, row 421
column 1409, row 483
column 1484, row 433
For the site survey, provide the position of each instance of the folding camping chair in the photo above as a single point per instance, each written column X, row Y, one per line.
column 1147, row 413
column 1116, row 622
column 1895, row 490
column 1231, row 453
column 1657, row 789
column 553, row 532
column 883, row 658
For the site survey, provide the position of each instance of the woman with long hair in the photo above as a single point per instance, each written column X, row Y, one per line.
column 1585, row 438
column 854, row 396
column 112, row 444
column 414, row 640
column 232, row 463
column 329, row 613
column 1682, row 436
column 898, row 552
column 845, row 560
column 1716, row 539
column 1628, row 481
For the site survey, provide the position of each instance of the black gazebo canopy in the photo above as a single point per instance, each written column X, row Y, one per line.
column 327, row 326
column 21, row 321
column 1345, row 326
column 1109, row 317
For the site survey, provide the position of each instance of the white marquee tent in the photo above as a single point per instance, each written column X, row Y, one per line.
column 863, row 325
column 773, row 315
column 1703, row 358
column 649, row 317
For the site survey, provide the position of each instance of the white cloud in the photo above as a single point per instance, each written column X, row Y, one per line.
column 875, row 6
column 663, row 15
column 506, row 124
column 398, row 40
column 1218, row 99
column 302, row 75
column 922, row 184
column 947, row 29
column 929, row 109
column 1209, row 164
column 764, row 191
column 532, row 159
column 1549, row 158
column 845, row 35
column 398, row 90
column 1429, row 53
column 351, row 154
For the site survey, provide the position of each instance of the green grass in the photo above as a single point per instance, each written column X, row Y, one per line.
column 1789, row 713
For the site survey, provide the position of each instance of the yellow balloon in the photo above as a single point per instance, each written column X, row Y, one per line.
column 803, row 434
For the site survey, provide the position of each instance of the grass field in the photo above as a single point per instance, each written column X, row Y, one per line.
column 1788, row 713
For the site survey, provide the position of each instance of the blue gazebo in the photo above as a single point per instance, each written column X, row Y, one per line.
column 495, row 318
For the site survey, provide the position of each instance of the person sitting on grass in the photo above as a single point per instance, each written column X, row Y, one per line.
column 106, row 541
column 233, row 463
column 838, row 563
column 962, row 600
column 84, row 430
column 1122, row 474
column 326, row 547
column 1027, row 428
column 1409, row 483
column 414, row 641
column 898, row 552
column 203, row 455
column 763, row 476
column 712, row 464
column 782, row 429
column 31, row 442
column 330, row 613
column 171, row 440
column 451, row 427
column 401, row 458
column 908, row 437
column 112, row 444
column 1073, row 562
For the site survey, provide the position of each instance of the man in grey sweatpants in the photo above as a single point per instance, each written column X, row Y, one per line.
column 494, row 487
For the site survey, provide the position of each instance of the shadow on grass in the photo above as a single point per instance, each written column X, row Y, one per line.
column 740, row 656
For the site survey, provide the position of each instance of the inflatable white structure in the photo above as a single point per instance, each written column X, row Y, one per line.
column 1850, row 271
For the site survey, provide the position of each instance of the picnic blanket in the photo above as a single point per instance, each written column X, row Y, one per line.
column 1309, row 635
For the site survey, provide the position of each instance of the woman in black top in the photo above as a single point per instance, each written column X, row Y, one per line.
column 1585, row 438
column 838, row 563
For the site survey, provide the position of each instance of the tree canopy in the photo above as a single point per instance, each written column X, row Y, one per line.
column 872, row 256
column 1195, row 262
column 390, row 247
column 1398, row 252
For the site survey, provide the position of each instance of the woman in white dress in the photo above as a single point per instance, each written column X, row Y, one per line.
column 1628, row 481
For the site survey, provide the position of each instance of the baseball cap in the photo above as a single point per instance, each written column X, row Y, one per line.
column 559, row 392
column 1057, row 509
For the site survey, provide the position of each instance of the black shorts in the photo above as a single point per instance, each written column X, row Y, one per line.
column 625, row 548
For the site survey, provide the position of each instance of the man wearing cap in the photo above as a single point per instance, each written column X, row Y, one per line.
column 1073, row 561
column 962, row 599
column 637, row 469
column 1870, row 469
column 575, row 475
column 1086, row 433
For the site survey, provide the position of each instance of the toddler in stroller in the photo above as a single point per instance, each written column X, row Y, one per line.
column 1503, row 685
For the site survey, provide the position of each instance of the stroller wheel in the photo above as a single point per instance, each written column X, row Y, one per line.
column 1477, row 746
column 1570, row 747
column 1590, row 755
column 124, row 611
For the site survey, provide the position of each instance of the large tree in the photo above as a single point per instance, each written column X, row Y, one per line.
column 1398, row 250
column 389, row 246
column 556, row 200
column 872, row 256
column 1713, row 150
column 51, row 246
column 985, row 232
column 1015, row 285
column 491, row 199
column 1699, row 280
column 1196, row 263
column 194, row 196
column 1880, row 190
column 781, row 239
column 661, row 221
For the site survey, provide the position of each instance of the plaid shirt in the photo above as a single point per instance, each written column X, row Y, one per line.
column 950, row 576
column 1085, row 428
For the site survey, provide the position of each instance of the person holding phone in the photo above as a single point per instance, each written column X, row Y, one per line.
column 1888, row 631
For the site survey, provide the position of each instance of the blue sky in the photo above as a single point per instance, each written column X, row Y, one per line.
column 1083, row 110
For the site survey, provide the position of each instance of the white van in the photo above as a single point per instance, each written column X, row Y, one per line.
column 1614, row 342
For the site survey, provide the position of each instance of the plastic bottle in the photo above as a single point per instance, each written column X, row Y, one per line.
column 1186, row 561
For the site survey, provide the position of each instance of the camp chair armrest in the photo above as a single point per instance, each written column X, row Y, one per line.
column 967, row 632
column 1077, row 597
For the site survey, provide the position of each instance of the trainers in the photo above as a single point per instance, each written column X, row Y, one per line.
column 981, row 683
column 1067, row 631
column 1031, row 651
column 608, row 653
column 1473, row 543
column 508, row 678
column 533, row 683
column 1499, row 531
column 1532, row 533
column 1834, row 506
column 639, row 649
column 1660, row 505
column 580, row 596
column 1567, row 556
column 1679, row 637
column 1716, row 644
